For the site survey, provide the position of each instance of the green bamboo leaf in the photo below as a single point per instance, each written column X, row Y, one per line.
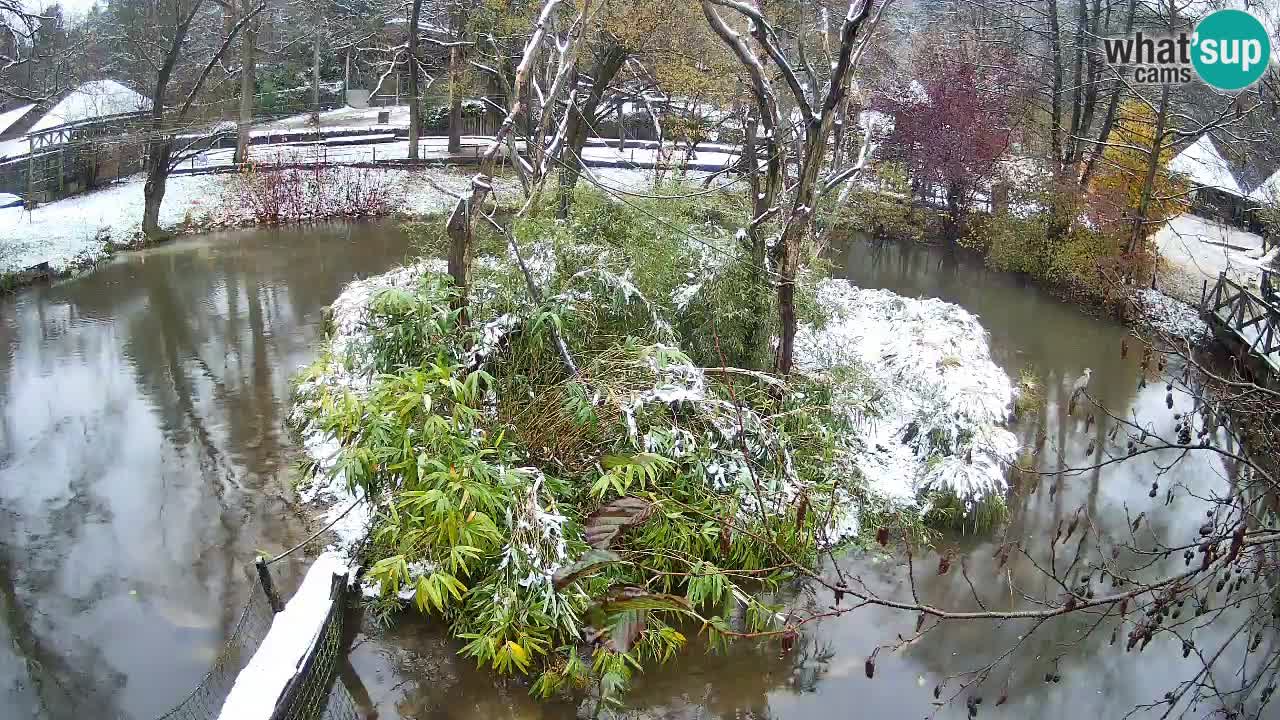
column 626, row 629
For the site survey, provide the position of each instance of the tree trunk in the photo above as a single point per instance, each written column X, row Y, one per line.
column 622, row 128
column 794, row 232
column 756, row 335
column 158, row 154
column 415, row 104
column 578, row 127
column 1071, row 154
column 1153, row 164
column 248, row 81
column 1055, row 98
column 315, row 79
column 455, row 99
column 1112, row 106
column 955, row 212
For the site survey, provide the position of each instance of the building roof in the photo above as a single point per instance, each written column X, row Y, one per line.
column 1268, row 193
column 9, row 117
column 92, row 101
column 1205, row 167
column 1253, row 161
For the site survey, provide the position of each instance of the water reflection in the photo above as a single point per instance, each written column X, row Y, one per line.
column 143, row 458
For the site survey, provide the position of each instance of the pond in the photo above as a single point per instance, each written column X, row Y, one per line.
column 143, row 459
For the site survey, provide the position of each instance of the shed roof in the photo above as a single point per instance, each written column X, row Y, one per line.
column 92, row 101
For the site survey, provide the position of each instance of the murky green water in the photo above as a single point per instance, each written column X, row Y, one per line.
column 143, row 459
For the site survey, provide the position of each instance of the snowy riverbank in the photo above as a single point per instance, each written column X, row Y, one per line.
column 72, row 233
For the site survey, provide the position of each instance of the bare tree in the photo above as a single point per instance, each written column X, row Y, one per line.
column 248, row 79
column 816, row 113
column 542, row 150
column 29, row 40
column 175, row 45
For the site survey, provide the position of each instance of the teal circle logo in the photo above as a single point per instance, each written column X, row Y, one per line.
column 1231, row 49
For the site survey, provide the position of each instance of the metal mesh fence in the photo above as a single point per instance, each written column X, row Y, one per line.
column 205, row 701
column 316, row 692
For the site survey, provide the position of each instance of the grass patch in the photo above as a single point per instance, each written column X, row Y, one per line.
column 948, row 511
column 1030, row 392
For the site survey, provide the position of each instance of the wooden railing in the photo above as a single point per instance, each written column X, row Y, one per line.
column 1254, row 320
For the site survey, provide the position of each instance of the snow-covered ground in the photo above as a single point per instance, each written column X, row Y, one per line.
column 1169, row 316
column 341, row 119
column 80, row 230
column 380, row 146
column 1196, row 250
column 339, row 151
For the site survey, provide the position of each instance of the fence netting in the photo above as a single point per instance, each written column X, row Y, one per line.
column 316, row 693
column 205, row 701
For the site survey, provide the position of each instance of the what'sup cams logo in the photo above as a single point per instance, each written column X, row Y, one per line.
column 1229, row 50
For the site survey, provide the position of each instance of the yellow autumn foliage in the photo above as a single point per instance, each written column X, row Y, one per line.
column 1123, row 169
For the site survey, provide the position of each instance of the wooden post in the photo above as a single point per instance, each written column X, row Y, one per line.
column 31, row 172
column 264, row 576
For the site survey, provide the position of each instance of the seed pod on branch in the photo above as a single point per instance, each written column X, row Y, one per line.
column 871, row 664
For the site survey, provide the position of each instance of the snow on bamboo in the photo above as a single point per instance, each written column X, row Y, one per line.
column 940, row 405
column 347, row 366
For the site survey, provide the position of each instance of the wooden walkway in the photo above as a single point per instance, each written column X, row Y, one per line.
column 1251, row 320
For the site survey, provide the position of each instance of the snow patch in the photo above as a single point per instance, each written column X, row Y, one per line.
column 1170, row 317
column 940, row 404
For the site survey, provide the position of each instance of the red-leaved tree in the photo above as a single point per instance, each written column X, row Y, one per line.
column 951, row 125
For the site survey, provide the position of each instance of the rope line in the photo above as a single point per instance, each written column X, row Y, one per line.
column 317, row 534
